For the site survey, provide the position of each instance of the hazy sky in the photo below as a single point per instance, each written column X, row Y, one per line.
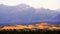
column 51, row 4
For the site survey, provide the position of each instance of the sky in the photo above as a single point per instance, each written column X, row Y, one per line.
column 48, row 4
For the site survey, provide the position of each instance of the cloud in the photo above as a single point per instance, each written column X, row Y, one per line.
column 51, row 4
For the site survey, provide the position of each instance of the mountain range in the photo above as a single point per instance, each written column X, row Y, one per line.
column 25, row 14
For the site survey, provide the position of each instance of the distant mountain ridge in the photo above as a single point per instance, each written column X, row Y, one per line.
column 43, row 26
column 25, row 14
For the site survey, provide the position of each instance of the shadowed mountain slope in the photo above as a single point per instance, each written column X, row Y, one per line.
column 25, row 14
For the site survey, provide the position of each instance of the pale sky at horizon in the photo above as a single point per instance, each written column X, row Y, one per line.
column 49, row 4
